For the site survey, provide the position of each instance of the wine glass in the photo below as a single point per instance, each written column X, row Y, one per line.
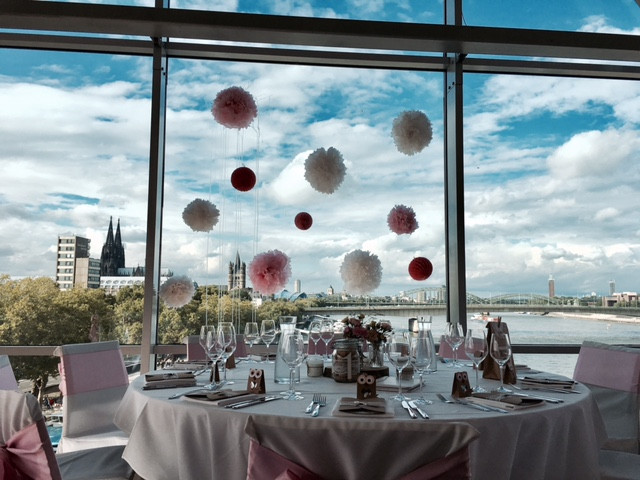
column 292, row 350
column 327, row 333
column 476, row 348
column 209, row 342
column 398, row 352
column 454, row 337
column 500, row 351
column 420, row 357
column 268, row 334
column 228, row 344
column 251, row 334
column 315, row 333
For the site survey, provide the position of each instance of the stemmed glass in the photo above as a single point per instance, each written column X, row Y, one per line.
column 420, row 357
column 315, row 333
column 454, row 337
column 209, row 342
column 476, row 348
column 327, row 333
column 227, row 343
column 398, row 353
column 292, row 350
column 251, row 334
column 500, row 351
column 268, row 334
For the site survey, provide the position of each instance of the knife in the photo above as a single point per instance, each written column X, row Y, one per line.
column 413, row 404
column 412, row 414
column 248, row 403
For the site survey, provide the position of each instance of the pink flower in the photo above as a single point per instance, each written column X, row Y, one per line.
column 402, row 219
column 234, row 107
column 270, row 271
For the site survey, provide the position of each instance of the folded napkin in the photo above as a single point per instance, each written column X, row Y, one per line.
column 221, row 397
column 170, row 383
column 553, row 382
column 167, row 375
column 348, row 406
column 504, row 401
column 390, row 384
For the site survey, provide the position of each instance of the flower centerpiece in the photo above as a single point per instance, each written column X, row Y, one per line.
column 374, row 331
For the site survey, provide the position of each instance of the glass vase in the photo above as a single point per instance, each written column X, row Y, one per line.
column 376, row 354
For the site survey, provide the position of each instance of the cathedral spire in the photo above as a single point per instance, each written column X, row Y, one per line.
column 118, row 237
column 110, row 232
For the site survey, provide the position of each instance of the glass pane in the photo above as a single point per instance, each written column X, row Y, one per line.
column 75, row 135
column 300, row 109
column 549, row 206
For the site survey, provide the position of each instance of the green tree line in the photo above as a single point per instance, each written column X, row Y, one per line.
column 33, row 311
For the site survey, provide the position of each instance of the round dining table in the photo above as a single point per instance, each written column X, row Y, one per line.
column 188, row 438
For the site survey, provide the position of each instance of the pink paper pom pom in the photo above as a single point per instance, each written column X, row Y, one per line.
column 361, row 272
column 177, row 291
column 201, row 215
column 269, row 272
column 325, row 169
column 234, row 107
column 402, row 219
column 411, row 132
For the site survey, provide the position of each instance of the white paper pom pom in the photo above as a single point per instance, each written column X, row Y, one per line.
column 200, row 215
column 325, row 169
column 361, row 272
column 177, row 291
column 411, row 132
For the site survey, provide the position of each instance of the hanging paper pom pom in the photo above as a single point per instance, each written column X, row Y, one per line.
column 177, row 291
column 411, row 132
column 361, row 272
column 303, row 221
column 200, row 215
column 243, row 179
column 269, row 272
column 402, row 219
column 420, row 268
column 325, row 169
column 234, row 107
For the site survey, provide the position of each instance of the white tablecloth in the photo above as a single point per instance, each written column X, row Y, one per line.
column 188, row 439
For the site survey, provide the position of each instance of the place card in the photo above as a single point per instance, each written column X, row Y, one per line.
column 255, row 383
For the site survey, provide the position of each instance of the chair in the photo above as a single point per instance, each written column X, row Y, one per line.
column 296, row 448
column 195, row 352
column 26, row 451
column 7, row 378
column 93, row 380
column 613, row 375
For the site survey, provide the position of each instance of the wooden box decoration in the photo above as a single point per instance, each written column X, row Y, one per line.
column 461, row 386
column 215, row 373
column 366, row 386
column 255, row 384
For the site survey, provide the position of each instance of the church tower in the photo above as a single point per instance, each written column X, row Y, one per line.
column 112, row 257
column 237, row 277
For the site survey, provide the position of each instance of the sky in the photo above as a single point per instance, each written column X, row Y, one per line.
column 550, row 163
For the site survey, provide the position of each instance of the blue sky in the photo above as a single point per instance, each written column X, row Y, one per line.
column 550, row 163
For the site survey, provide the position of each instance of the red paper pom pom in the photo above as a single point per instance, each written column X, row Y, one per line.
column 303, row 221
column 420, row 268
column 243, row 179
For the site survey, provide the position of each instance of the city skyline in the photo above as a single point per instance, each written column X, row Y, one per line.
column 547, row 161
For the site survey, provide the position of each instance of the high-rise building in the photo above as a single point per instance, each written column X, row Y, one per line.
column 112, row 257
column 552, row 287
column 612, row 287
column 74, row 267
column 297, row 286
column 237, row 277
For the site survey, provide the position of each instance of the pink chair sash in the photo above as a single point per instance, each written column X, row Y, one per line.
column 608, row 366
column 452, row 467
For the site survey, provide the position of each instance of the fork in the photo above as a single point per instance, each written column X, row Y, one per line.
column 314, row 402
column 443, row 398
column 322, row 401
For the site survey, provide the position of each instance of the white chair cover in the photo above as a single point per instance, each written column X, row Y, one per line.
column 25, row 448
column 195, row 352
column 319, row 446
column 7, row 378
column 93, row 381
column 619, row 465
column 613, row 375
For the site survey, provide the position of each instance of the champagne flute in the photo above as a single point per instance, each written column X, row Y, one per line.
column 476, row 348
column 420, row 357
column 228, row 342
column 454, row 338
column 398, row 353
column 500, row 351
column 268, row 334
column 327, row 333
column 251, row 334
column 315, row 333
column 292, row 349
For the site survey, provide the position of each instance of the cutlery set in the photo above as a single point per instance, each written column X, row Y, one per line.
column 317, row 402
column 410, row 406
column 253, row 401
column 469, row 404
